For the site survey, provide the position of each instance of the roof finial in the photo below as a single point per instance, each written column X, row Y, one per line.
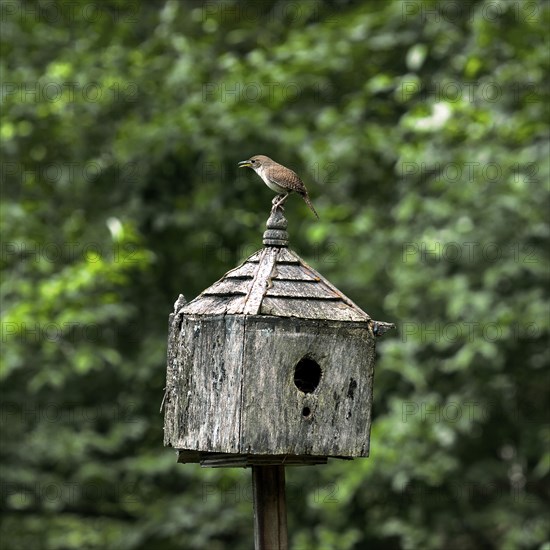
column 276, row 234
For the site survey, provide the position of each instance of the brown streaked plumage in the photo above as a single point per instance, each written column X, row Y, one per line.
column 280, row 179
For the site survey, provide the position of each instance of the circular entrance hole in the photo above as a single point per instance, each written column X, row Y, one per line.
column 307, row 375
column 306, row 411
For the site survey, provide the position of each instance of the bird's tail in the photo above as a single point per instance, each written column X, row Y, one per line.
column 308, row 202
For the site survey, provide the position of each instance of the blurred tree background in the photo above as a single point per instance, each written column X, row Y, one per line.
column 421, row 130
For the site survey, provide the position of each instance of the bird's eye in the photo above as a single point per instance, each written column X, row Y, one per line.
column 252, row 160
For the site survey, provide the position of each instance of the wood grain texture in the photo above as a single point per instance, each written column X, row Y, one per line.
column 246, row 269
column 261, row 281
column 270, row 522
column 290, row 273
column 309, row 309
column 225, row 460
column 229, row 287
column 300, row 289
column 272, row 417
column 205, row 404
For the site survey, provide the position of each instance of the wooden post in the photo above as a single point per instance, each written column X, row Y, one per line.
column 270, row 529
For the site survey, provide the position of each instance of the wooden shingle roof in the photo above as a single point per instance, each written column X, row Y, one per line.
column 276, row 281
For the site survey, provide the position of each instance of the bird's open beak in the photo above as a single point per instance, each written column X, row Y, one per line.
column 244, row 163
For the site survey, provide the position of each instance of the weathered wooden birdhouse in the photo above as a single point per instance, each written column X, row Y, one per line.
column 270, row 365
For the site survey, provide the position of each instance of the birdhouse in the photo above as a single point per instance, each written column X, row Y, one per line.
column 272, row 364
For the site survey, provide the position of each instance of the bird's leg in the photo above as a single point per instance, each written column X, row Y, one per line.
column 278, row 202
column 280, row 199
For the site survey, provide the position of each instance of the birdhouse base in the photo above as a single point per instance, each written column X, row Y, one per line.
column 229, row 460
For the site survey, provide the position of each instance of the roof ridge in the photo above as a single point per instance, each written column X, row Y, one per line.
column 259, row 285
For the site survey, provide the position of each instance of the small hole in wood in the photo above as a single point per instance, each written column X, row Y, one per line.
column 306, row 411
column 307, row 375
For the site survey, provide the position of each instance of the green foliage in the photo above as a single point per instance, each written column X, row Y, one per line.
column 421, row 130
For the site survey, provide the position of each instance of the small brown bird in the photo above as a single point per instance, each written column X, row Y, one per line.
column 280, row 179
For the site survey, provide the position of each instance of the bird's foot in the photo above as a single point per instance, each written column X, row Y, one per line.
column 277, row 206
column 278, row 202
